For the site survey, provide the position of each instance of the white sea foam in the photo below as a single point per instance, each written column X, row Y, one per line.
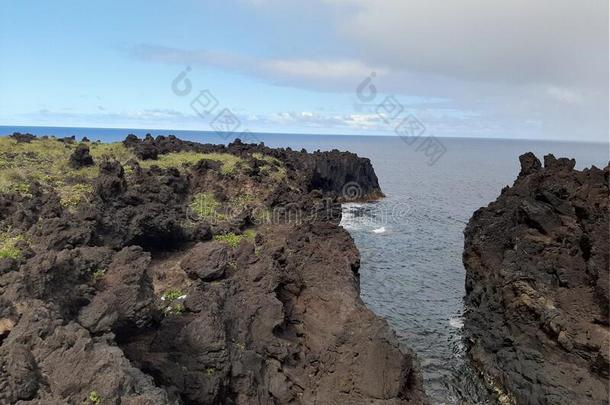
column 457, row 323
column 349, row 219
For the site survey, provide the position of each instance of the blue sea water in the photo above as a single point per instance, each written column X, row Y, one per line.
column 411, row 242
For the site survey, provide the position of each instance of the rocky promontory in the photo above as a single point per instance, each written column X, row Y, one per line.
column 160, row 271
column 537, row 285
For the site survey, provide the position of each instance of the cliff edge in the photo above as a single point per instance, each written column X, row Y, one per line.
column 158, row 271
column 537, row 285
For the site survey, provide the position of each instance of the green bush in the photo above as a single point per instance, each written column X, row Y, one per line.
column 204, row 206
column 95, row 398
column 172, row 295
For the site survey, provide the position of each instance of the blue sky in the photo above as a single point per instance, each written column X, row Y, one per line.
column 470, row 68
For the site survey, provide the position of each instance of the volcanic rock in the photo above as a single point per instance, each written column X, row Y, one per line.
column 123, row 298
column 537, row 285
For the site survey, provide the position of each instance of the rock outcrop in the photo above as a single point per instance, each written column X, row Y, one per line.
column 220, row 277
column 537, row 285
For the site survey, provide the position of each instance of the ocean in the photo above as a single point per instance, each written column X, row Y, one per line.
column 411, row 242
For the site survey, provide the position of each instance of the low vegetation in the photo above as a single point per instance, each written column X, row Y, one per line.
column 72, row 195
column 9, row 248
column 267, row 158
column 171, row 297
column 94, row 398
column 233, row 240
column 273, row 167
column 204, row 206
column 98, row 273
column 178, row 159
column 115, row 150
column 47, row 162
column 174, row 309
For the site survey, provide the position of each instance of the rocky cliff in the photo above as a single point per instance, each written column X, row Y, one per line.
column 537, row 285
column 159, row 271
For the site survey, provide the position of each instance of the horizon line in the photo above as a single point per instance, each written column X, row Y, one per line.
column 308, row 134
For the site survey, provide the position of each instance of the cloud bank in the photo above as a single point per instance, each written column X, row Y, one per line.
column 523, row 68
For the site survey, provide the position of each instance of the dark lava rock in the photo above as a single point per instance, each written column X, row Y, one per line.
column 81, row 157
column 537, row 285
column 206, row 261
column 129, row 298
column 25, row 138
column 341, row 175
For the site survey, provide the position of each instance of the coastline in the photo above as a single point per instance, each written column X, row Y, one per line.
column 235, row 304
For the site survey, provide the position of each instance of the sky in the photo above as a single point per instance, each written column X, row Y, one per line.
column 468, row 68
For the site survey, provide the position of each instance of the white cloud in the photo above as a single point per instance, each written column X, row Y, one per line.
column 514, row 41
column 524, row 68
column 325, row 75
column 565, row 95
column 529, row 68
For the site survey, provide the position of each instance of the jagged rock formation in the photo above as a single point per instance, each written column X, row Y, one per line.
column 188, row 274
column 537, row 285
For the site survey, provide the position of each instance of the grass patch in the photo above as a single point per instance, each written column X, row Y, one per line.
column 233, row 240
column 242, row 200
column 177, row 159
column 115, row 150
column 173, row 307
column 72, row 195
column 204, row 205
column 269, row 159
column 172, row 295
column 273, row 168
column 8, row 246
column 47, row 161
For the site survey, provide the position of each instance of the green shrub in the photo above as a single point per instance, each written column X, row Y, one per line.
column 172, row 295
column 99, row 273
column 95, row 398
column 204, row 205
column 173, row 307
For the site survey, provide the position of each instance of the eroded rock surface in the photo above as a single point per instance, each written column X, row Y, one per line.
column 537, row 285
column 192, row 283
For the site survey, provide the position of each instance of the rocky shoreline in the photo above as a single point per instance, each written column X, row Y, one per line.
column 160, row 271
column 537, row 285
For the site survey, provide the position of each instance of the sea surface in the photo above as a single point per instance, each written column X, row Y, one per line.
column 411, row 242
